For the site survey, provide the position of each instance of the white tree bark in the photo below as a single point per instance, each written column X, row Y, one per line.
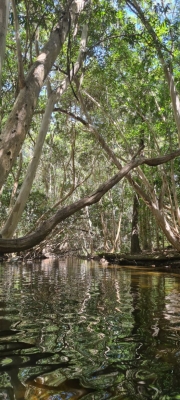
column 16, row 213
column 174, row 98
column 21, row 82
column 4, row 17
column 19, row 120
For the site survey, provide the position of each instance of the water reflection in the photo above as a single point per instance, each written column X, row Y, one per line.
column 72, row 329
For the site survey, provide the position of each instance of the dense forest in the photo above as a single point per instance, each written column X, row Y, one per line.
column 90, row 125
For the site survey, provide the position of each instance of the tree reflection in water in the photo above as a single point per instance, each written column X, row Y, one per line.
column 73, row 329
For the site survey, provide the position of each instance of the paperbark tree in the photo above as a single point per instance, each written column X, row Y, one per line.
column 155, row 204
column 29, row 241
column 18, row 123
column 16, row 212
column 144, row 187
column 146, row 192
column 4, row 17
column 166, row 64
column 21, row 80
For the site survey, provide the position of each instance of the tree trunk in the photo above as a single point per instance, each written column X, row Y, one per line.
column 175, row 101
column 4, row 17
column 147, row 198
column 170, row 233
column 16, row 213
column 18, row 123
column 135, row 246
column 21, row 80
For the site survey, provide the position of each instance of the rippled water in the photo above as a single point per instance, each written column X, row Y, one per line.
column 73, row 329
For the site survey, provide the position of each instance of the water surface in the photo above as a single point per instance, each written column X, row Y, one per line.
column 72, row 329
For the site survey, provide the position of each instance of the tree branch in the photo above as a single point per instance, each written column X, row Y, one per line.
column 27, row 242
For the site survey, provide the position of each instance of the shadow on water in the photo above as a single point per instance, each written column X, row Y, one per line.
column 72, row 329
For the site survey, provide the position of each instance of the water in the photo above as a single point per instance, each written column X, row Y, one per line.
column 73, row 329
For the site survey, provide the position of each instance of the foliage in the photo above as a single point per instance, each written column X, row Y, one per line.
column 126, row 99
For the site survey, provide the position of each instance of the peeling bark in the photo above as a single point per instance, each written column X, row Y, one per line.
column 16, row 213
column 18, row 123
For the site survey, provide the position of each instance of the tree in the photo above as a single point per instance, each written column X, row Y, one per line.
column 135, row 246
column 4, row 16
column 144, row 186
column 11, row 245
column 117, row 112
column 17, row 210
column 18, row 123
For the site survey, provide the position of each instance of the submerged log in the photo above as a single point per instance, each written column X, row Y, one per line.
column 154, row 259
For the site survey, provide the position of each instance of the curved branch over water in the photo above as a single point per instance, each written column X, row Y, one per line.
column 29, row 241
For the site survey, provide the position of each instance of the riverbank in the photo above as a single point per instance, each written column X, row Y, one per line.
column 166, row 260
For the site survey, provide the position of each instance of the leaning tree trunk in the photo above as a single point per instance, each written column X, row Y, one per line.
column 29, row 241
column 16, row 212
column 135, row 246
column 20, row 118
column 150, row 198
column 170, row 233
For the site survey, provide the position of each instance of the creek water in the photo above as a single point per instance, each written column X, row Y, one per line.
column 72, row 329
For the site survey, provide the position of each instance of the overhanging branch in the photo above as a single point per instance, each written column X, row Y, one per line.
column 27, row 242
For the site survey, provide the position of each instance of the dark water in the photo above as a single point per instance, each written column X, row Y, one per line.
column 73, row 329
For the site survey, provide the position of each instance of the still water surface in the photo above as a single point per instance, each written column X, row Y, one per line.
column 73, row 329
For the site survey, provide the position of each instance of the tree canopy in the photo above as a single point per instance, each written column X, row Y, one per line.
column 89, row 88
